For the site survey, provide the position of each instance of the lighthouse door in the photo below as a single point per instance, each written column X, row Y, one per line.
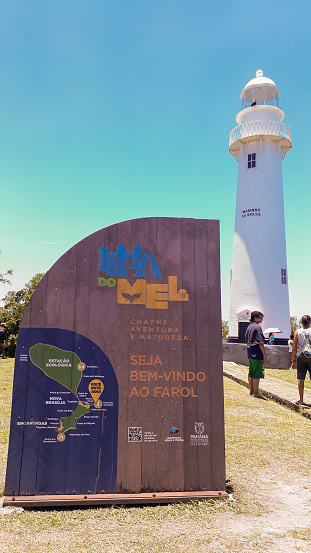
column 242, row 329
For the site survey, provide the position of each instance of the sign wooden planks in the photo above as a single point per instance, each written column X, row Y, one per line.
column 118, row 373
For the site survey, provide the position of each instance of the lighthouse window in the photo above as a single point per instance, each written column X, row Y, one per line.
column 251, row 161
column 283, row 276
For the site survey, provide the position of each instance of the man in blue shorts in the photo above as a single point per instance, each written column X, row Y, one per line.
column 256, row 352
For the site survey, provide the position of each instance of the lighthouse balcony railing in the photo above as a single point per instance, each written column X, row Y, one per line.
column 257, row 128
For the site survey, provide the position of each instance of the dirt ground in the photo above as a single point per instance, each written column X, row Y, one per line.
column 268, row 462
column 268, row 457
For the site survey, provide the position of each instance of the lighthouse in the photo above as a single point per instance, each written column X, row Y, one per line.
column 259, row 144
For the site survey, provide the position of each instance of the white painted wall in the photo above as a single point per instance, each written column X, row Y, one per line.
column 260, row 113
column 259, row 249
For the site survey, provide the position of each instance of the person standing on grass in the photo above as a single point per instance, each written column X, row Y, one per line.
column 290, row 348
column 302, row 338
column 256, row 352
column 3, row 338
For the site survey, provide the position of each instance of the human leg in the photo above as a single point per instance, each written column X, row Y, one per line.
column 250, row 377
column 301, row 375
column 254, row 375
column 256, row 387
column 301, row 385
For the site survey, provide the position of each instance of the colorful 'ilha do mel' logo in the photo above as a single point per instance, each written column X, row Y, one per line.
column 153, row 295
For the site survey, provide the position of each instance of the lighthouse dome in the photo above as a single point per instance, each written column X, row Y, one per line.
column 260, row 91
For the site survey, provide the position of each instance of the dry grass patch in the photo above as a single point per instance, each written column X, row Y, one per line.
column 268, row 456
column 172, row 528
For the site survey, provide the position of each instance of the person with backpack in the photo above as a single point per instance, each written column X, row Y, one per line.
column 302, row 346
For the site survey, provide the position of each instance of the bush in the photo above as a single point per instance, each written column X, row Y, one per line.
column 13, row 310
column 11, row 345
column 225, row 329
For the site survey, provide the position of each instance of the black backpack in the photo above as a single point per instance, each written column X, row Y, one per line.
column 305, row 355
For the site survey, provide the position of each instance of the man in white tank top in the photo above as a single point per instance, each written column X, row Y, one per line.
column 301, row 336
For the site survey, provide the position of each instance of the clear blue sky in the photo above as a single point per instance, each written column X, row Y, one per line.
column 117, row 109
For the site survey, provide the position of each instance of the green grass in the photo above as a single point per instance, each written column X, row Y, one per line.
column 268, row 451
column 6, row 379
column 288, row 376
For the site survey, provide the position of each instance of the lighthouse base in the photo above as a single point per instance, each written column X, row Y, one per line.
column 277, row 356
column 238, row 340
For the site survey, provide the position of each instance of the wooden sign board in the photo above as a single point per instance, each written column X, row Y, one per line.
column 118, row 388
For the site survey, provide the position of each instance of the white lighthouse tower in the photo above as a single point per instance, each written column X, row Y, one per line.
column 259, row 270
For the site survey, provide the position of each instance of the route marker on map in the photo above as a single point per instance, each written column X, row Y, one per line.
column 96, row 388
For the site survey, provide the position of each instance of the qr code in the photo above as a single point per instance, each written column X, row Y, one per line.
column 135, row 434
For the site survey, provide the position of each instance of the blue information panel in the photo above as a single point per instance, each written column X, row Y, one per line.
column 64, row 427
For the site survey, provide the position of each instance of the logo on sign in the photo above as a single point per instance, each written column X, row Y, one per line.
column 152, row 295
column 199, row 427
column 174, row 430
column 199, row 438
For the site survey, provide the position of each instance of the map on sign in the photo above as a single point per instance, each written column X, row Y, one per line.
column 66, row 368
column 65, row 408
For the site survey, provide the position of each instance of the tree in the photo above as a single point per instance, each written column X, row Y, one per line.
column 293, row 324
column 14, row 307
column 225, row 329
column 3, row 278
